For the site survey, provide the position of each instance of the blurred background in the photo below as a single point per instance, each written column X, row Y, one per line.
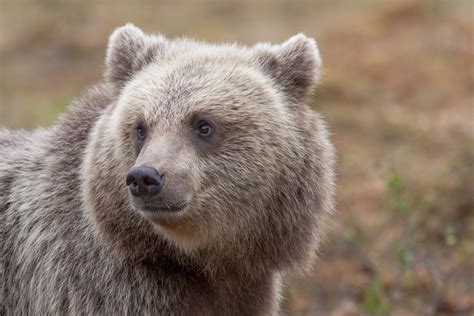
column 397, row 91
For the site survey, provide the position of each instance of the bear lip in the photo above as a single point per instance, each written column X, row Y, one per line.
column 171, row 209
column 157, row 214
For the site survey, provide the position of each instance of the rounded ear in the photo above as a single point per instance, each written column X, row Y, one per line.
column 128, row 51
column 294, row 65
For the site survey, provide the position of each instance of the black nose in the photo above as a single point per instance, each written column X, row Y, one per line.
column 144, row 182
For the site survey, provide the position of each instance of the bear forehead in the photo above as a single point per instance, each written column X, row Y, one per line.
column 186, row 85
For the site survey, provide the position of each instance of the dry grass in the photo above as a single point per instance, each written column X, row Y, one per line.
column 397, row 92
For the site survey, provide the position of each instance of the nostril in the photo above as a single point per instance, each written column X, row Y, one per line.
column 151, row 181
column 131, row 180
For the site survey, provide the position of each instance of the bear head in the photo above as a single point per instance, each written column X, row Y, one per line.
column 209, row 152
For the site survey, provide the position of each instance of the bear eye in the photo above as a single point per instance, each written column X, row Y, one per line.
column 141, row 132
column 204, row 128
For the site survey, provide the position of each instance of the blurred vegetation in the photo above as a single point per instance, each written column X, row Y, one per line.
column 397, row 92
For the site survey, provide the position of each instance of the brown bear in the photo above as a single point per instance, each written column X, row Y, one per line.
column 188, row 182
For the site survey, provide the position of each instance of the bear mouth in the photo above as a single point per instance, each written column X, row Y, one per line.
column 165, row 208
column 159, row 214
column 154, row 208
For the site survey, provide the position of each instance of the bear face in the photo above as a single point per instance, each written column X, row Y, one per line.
column 210, row 149
column 238, row 153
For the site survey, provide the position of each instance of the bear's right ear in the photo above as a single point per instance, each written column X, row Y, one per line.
column 128, row 51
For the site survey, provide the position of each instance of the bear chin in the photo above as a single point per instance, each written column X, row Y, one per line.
column 179, row 229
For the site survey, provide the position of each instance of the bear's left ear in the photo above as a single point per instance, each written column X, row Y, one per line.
column 128, row 51
column 294, row 65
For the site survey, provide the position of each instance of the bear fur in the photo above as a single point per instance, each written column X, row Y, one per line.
column 260, row 191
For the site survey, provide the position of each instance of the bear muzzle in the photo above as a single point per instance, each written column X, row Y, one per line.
column 153, row 192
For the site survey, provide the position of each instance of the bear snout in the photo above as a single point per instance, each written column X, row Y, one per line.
column 153, row 192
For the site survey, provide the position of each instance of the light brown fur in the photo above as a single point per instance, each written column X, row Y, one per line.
column 73, row 241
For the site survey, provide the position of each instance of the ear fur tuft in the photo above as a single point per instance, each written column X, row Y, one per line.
column 128, row 51
column 295, row 65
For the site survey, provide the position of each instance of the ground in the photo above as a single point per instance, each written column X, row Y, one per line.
column 397, row 92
